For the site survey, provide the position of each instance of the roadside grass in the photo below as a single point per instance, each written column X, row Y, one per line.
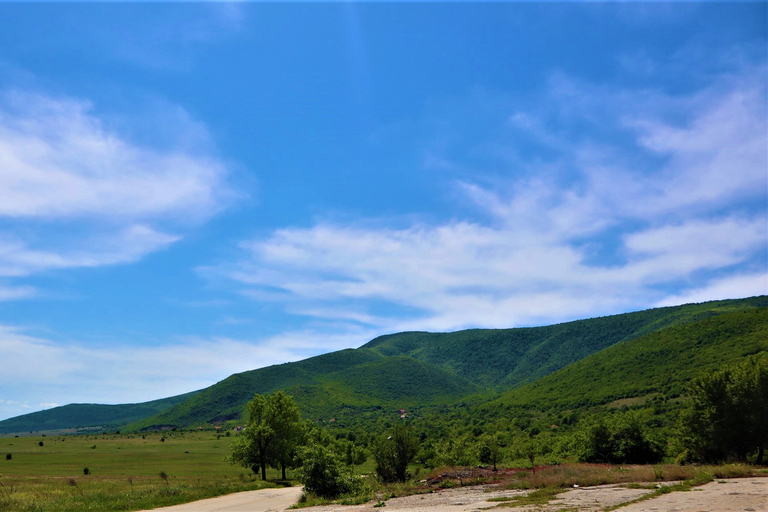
column 586, row 475
column 378, row 491
column 125, row 471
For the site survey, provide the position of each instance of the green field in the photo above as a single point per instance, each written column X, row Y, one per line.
column 124, row 471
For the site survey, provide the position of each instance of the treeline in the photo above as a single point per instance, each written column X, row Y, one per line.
column 724, row 418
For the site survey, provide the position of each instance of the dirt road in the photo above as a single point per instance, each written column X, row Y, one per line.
column 264, row 500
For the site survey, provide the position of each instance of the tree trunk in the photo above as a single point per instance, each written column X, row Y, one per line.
column 760, row 453
column 263, row 471
column 283, row 467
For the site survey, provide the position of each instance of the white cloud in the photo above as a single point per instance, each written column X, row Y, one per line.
column 732, row 287
column 677, row 203
column 78, row 193
column 127, row 246
column 59, row 160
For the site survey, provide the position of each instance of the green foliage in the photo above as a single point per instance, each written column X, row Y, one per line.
column 272, row 434
column 323, row 473
column 455, row 452
column 491, row 449
column 618, row 439
column 727, row 414
column 394, row 451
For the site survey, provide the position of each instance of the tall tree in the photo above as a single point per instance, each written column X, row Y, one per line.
column 287, row 430
column 271, row 436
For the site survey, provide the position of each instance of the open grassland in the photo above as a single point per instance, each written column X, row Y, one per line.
column 126, row 472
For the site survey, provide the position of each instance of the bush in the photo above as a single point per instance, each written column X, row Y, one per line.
column 618, row 439
column 8, row 456
column 394, row 451
column 324, row 473
column 726, row 414
column 86, row 471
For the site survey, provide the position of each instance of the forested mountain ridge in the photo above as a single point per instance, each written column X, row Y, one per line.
column 659, row 364
column 506, row 358
column 417, row 369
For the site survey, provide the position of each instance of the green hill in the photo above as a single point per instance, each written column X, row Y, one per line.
column 658, row 364
column 88, row 415
column 322, row 385
column 506, row 358
column 416, row 369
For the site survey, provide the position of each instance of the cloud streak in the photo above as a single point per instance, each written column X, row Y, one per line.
column 611, row 224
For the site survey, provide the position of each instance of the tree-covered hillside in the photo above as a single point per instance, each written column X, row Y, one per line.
column 88, row 415
column 322, row 386
column 658, row 364
column 506, row 358
column 417, row 369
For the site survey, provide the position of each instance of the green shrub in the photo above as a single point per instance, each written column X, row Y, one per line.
column 394, row 451
column 618, row 439
column 324, row 473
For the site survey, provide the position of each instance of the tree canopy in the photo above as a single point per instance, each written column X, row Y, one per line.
column 727, row 414
column 271, row 436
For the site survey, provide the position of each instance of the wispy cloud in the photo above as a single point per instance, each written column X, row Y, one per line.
column 643, row 192
column 731, row 287
column 60, row 160
column 16, row 292
column 79, row 193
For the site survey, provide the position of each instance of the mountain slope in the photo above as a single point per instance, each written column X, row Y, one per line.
column 349, row 378
column 660, row 363
column 506, row 358
column 417, row 368
column 88, row 415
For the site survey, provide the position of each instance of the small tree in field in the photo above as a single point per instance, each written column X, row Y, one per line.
column 455, row 453
column 394, row 451
column 491, row 450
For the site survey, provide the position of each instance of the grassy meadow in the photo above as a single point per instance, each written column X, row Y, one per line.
column 125, row 471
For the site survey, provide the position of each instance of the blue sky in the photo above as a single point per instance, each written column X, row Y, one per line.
column 188, row 191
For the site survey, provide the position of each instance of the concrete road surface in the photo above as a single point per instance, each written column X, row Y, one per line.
column 264, row 500
column 732, row 495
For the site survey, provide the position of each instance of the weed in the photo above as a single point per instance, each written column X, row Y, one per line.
column 538, row 497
